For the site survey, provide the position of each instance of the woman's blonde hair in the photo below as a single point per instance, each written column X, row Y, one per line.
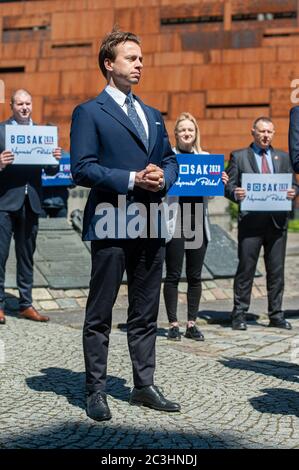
column 191, row 118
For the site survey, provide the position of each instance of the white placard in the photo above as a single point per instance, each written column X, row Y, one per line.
column 31, row 145
column 266, row 192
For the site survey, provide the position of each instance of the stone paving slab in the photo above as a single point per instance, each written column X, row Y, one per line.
column 230, row 396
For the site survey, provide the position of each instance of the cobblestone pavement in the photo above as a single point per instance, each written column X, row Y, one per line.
column 237, row 390
column 53, row 300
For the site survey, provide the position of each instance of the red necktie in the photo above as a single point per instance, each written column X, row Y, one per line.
column 265, row 166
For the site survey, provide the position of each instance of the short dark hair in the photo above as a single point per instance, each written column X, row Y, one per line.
column 109, row 43
column 262, row 118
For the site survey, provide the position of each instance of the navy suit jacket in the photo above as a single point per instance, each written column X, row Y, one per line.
column 14, row 178
column 106, row 147
column 243, row 161
column 294, row 138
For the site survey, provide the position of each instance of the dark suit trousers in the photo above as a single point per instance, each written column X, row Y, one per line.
column 251, row 238
column 143, row 260
column 23, row 225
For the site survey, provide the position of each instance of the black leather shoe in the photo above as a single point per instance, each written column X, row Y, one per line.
column 152, row 397
column 97, row 407
column 192, row 332
column 239, row 325
column 280, row 324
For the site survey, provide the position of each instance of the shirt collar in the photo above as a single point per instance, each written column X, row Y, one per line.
column 15, row 123
column 258, row 150
column 117, row 95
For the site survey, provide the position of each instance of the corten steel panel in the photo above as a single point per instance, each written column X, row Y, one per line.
column 56, row 108
column 264, row 6
column 264, row 54
column 134, row 3
column 232, row 76
column 62, row 48
column 281, row 126
column 187, row 10
column 27, row 50
column 190, row 2
column 281, row 41
column 192, row 102
column 52, row 6
column 229, row 97
column 12, row 22
column 87, row 24
column 67, row 63
column 281, row 101
column 219, row 127
column 227, row 141
column 161, row 42
column 89, row 82
column 43, row 83
column 37, row 107
column 156, row 100
column 200, row 41
column 253, row 113
column 141, row 20
column 287, row 54
column 30, row 65
column 277, row 76
column 176, row 78
column 280, row 140
column 174, row 58
column 14, row 8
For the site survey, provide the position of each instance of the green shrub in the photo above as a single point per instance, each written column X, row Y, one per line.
column 233, row 210
column 293, row 225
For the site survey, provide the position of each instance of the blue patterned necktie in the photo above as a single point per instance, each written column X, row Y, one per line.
column 133, row 116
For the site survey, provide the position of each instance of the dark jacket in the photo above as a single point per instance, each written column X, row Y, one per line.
column 243, row 161
column 14, row 178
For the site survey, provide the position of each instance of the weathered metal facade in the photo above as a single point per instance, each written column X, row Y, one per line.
column 226, row 62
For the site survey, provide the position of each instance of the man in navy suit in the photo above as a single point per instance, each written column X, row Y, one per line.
column 20, row 205
column 120, row 149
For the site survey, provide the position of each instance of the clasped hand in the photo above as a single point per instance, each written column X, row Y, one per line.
column 151, row 178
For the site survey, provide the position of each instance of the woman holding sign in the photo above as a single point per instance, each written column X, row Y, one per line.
column 187, row 137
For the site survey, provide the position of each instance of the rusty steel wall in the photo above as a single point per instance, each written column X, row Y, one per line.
column 216, row 59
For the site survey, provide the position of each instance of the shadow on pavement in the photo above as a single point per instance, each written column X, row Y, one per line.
column 287, row 371
column 223, row 318
column 71, row 385
column 277, row 401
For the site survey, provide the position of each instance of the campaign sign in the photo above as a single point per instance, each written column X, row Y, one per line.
column 31, row 145
column 63, row 177
column 199, row 175
column 266, row 192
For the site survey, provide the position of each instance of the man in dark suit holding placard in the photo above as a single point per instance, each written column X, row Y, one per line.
column 257, row 229
column 20, row 205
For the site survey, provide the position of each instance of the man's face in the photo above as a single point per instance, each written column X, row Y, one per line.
column 125, row 70
column 263, row 134
column 22, row 107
